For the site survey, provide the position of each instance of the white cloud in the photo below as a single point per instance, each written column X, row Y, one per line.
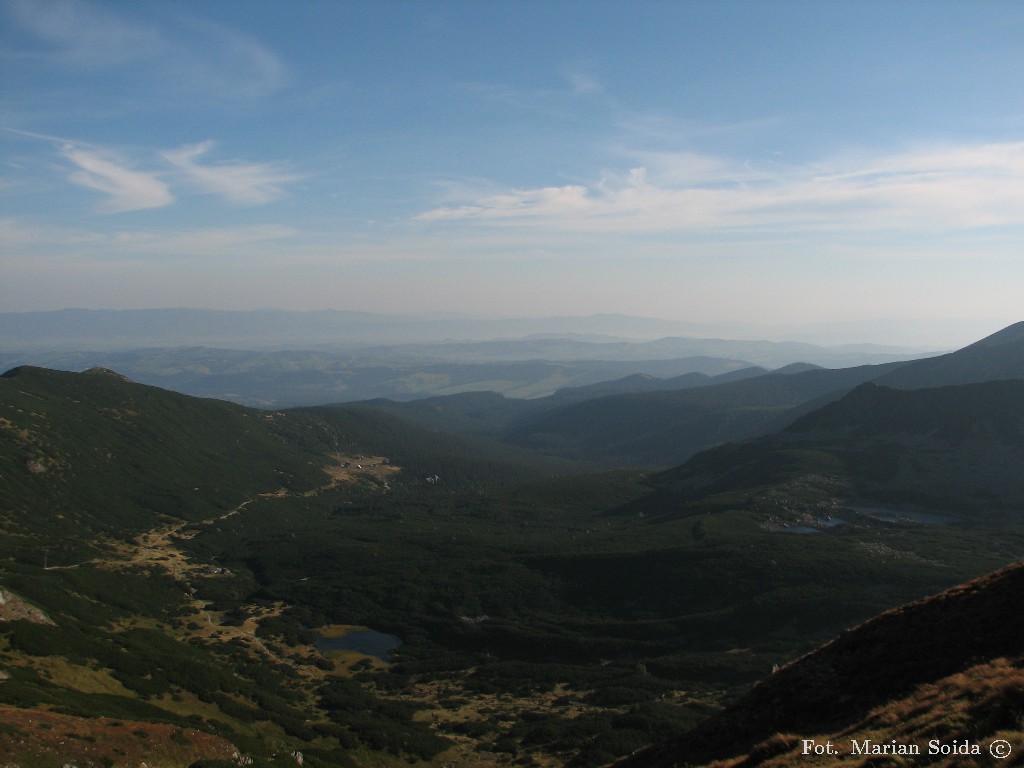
column 517, row 203
column 127, row 189
column 237, row 182
column 930, row 190
column 131, row 189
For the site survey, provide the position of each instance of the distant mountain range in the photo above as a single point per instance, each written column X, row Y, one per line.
column 105, row 330
column 279, row 359
column 276, row 379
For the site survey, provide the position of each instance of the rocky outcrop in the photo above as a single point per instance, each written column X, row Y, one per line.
column 13, row 608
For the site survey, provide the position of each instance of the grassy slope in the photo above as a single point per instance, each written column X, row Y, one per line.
column 40, row 738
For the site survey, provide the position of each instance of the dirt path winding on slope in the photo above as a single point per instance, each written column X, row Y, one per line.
column 158, row 550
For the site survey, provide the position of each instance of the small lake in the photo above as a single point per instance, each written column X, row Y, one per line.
column 820, row 526
column 366, row 641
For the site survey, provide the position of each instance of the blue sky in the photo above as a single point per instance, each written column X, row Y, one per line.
column 784, row 163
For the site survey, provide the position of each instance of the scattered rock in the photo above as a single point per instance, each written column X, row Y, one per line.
column 13, row 608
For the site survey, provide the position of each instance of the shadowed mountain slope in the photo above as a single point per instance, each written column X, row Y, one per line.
column 987, row 409
column 667, row 427
column 848, row 683
column 999, row 356
column 645, row 383
column 493, row 415
column 955, row 448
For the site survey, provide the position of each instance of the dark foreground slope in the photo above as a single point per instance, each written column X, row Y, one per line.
column 948, row 669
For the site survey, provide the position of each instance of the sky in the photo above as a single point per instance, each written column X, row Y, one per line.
column 781, row 163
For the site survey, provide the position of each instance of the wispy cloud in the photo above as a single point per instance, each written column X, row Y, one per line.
column 86, row 36
column 182, row 56
column 930, row 190
column 225, row 62
column 580, row 79
column 555, row 97
column 127, row 189
column 238, row 182
column 545, row 202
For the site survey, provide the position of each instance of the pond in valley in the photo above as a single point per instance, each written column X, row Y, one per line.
column 819, row 525
column 365, row 641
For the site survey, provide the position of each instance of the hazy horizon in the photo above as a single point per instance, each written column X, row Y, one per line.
column 94, row 329
column 842, row 171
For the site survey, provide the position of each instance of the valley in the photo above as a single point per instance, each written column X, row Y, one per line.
column 572, row 579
